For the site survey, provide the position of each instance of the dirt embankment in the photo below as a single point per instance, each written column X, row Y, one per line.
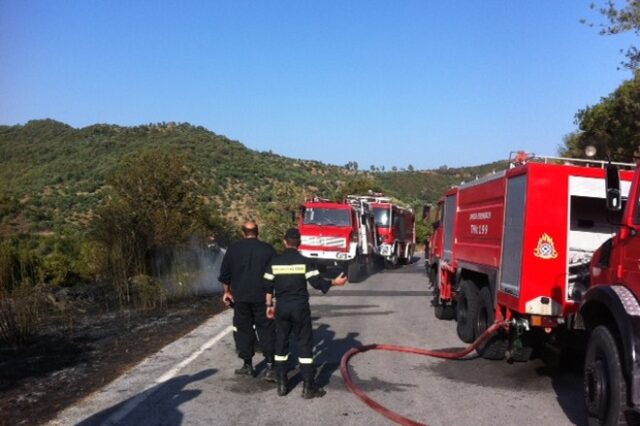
column 64, row 364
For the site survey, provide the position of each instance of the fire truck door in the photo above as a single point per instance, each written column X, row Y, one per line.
column 449, row 223
column 631, row 250
column 512, row 238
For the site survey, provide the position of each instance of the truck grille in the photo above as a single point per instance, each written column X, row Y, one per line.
column 323, row 241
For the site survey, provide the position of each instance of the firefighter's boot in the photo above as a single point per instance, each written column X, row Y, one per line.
column 246, row 369
column 269, row 372
column 283, row 384
column 309, row 390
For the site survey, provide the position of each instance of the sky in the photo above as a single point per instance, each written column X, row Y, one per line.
column 387, row 83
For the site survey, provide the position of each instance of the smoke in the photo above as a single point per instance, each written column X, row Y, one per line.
column 191, row 270
column 210, row 262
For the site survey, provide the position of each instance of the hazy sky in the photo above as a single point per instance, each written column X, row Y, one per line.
column 388, row 83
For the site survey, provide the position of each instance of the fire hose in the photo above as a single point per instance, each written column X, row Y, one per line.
column 344, row 368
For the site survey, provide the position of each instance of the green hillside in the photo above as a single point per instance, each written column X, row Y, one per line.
column 418, row 187
column 53, row 176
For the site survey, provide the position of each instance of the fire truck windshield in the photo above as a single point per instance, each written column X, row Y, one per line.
column 382, row 216
column 327, row 217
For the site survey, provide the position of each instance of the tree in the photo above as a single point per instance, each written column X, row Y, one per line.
column 357, row 186
column 352, row 165
column 275, row 214
column 410, row 168
column 612, row 126
column 155, row 207
column 621, row 20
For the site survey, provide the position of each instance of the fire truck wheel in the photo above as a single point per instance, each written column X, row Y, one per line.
column 466, row 310
column 405, row 258
column 496, row 346
column 444, row 312
column 354, row 272
column 604, row 384
column 392, row 262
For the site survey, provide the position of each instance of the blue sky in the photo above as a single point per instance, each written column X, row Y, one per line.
column 390, row 83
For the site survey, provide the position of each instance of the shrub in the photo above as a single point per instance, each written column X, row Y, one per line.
column 20, row 314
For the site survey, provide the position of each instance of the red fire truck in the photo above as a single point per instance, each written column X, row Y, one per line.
column 339, row 234
column 609, row 313
column 533, row 245
column 395, row 228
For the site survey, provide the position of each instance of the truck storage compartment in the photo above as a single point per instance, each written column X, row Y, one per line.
column 590, row 225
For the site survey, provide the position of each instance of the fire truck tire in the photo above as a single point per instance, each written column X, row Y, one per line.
column 392, row 262
column 443, row 312
column 354, row 271
column 523, row 354
column 466, row 311
column 402, row 258
column 496, row 346
column 605, row 390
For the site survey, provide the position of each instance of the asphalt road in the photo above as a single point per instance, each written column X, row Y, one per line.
column 191, row 382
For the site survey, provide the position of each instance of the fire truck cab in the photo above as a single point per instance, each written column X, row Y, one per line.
column 609, row 313
column 395, row 229
column 338, row 234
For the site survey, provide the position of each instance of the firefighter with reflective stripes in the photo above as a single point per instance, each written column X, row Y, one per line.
column 286, row 281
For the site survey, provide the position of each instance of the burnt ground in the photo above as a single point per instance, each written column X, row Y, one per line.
column 65, row 364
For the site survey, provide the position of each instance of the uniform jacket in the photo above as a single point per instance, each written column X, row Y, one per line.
column 243, row 267
column 287, row 275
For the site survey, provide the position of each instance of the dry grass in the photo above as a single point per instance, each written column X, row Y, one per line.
column 21, row 312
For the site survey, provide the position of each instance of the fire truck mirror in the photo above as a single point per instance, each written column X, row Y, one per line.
column 614, row 198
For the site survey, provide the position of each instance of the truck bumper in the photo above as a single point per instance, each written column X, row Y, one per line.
column 328, row 257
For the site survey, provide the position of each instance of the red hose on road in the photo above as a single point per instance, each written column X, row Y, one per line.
column 344, row 369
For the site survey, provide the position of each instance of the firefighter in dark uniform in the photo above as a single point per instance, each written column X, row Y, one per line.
column 286, row 280
column 241, row 275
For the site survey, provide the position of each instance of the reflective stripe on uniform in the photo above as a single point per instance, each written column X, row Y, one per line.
column 281, row 358
column 305, row 360
column 288, row 269
column 311, row 274
column 268, row 276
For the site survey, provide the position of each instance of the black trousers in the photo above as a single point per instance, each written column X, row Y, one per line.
column 294, row 318
column 245, row 316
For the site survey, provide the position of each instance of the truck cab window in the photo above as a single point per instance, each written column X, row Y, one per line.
column 327, row 217
column 382, row 216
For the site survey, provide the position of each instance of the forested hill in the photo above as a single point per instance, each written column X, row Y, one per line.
column 53, row 176
column 417, row 187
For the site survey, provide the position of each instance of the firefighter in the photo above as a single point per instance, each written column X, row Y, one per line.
column 286, row 280
column 241, row 275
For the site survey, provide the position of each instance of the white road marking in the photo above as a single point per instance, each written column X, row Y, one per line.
column 119, row 415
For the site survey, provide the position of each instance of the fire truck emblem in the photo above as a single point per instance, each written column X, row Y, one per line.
column 545, row 248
